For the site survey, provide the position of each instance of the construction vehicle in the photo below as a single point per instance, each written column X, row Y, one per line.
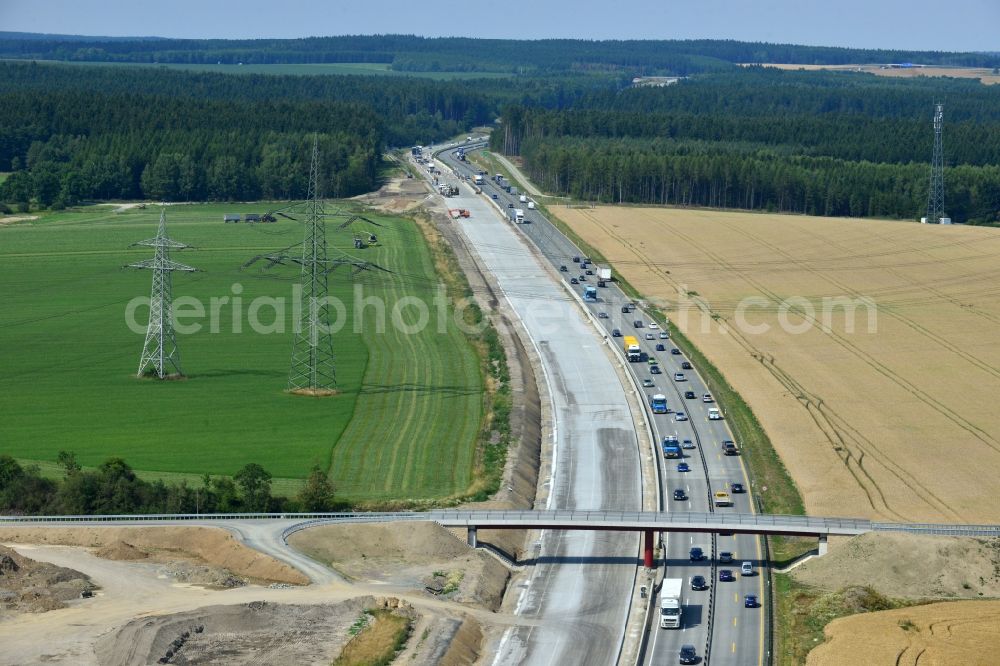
column 459, row 212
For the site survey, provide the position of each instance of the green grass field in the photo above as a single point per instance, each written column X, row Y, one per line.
column 302, row 69
column 403, row 427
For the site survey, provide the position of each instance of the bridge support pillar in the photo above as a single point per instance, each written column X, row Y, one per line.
column 471, row 537
column 822, row 545
column 647, row 549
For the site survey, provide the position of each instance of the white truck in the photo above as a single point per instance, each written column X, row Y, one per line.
column 478, row 179
column 670, row 603
column 523, row 199
column 603, row 273
column 518, row 215
column 531, row 205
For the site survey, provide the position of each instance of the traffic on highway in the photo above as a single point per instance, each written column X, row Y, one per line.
column 722, row 577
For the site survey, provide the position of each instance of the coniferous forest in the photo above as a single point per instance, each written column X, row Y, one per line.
column 824, row 143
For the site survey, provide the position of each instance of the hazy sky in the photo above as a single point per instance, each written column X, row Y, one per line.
column 955, row 25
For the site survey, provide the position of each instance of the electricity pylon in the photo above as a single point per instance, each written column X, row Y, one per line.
column 935, row 198
column 312, row 369
column 160, row 352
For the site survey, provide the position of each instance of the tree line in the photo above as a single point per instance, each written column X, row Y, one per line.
column 113, row 488
column 680, row 57
column 665, row 172
column 817, row 143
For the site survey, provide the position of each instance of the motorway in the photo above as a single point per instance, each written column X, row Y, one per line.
column 582, row 584
column 714, row 621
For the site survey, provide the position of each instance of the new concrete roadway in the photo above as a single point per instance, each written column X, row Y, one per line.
column 714, row 620
column 582, row 584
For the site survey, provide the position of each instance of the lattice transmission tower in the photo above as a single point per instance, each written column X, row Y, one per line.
column 312, row 369
column 160, row 353
column 935, row 198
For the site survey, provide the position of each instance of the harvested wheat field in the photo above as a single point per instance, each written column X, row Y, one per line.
column 895, row 419
column 984, row 74
column 966, row 632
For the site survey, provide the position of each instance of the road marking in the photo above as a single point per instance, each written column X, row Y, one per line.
column 734, row 647
column 736, row 597
column 734, row 621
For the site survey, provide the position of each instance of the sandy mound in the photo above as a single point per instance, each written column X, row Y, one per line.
column 36, row 587
column 909, row 566
column 966, row 632
column 121, row 550
column 422, row 556
column 203, row 544
column 259, row 632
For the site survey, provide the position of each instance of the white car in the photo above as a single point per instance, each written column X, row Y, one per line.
column 687, row 444
column 680, row 416
column 707, row 398
column 664, row 335
column 653, row 325
column 649, row 336
column 679, row 377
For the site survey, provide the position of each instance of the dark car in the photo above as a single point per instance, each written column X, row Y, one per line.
column 726, row 576
column 655, row 370
column 625, row 309
column 616, row 333
column 698, row 583
column 576, row 260
column 750, row 601
column 660, row 347
column 680, row 495
column 725, row 557
column 686, row 365
column 583, row 278
column 683, row 467
column 590, row 272
column 688, row 654
column 637, row 323
column 602, row 315
column 675, row 351
column 563, row 268
column 696, row 554
column 689, row 395
column 737, row 488
column 510, row 205
column 495, row 197
column 574, row 281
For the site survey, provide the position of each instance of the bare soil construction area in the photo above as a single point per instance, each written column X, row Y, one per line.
column 867, row 349
column 420, row 556
column 156, row 591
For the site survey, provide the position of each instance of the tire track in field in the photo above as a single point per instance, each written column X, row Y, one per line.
column 861, row 440
column 831, row 416
column 941, row 294
column 886, row 371
column 809, row 402
column 806, row 399
column 940, row 340
column 824, row 418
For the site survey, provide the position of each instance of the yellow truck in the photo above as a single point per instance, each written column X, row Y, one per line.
column 631, row 345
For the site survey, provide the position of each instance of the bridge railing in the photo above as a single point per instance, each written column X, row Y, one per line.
column 637, row 520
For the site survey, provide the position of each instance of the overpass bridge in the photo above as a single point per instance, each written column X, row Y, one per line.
column 647, row 522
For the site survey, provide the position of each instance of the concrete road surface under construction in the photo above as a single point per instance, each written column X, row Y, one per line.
column 583, row 584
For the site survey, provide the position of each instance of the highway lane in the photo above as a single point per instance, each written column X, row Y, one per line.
column 582, row 585
column 737, row 632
